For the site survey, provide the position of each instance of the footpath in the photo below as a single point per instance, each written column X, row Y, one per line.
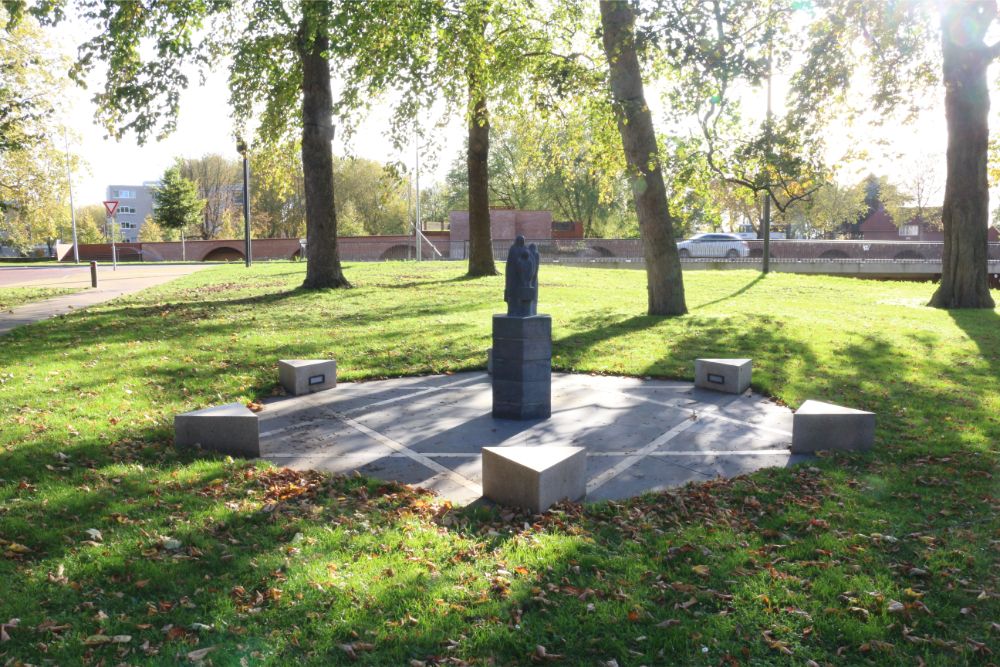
column 111, row 285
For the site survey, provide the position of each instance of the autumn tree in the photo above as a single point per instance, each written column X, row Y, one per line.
column 375, row 194
column 34, row 187
column 278, row 193
column 90, row 220
column 489, row 54
column 280, row 61
column 900, row 43
column 219, row 182
column 664, row 283
column 23, row 56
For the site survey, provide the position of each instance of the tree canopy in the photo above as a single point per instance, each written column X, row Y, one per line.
column 176, row 201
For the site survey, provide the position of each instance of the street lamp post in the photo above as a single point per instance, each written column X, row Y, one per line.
column 241, row 148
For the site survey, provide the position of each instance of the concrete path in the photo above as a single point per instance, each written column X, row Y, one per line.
column 111, row 285
column 640, row 435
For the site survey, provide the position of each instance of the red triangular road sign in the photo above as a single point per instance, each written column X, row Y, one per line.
column 111, row 207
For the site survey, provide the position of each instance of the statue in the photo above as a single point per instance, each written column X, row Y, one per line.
column 521, row 291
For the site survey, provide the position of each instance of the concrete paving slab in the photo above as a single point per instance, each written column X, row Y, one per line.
column 733, row 465
column 655, row 474
column 639, row 434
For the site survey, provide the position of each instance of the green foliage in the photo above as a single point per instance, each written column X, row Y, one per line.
column 277, row 194
column 145, row 51
column 829, row 210
column 569, row 162
column 895, row 44
column 220, row 185
column 34, row 190
column 371, row 197
column 26, row 68
column 176, row 202
column 90, row 223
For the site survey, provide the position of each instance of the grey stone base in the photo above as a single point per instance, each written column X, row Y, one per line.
column 534, row 478
column 231, row 429
column 820, row 426
column 304, row 376
column 522, row 367
column 727, row 375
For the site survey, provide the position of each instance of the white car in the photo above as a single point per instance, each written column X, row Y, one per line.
column 729, row 246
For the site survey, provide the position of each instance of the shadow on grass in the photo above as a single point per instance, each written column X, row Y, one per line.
column 735, row 294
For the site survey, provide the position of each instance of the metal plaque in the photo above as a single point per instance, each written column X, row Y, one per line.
column 316, row 379
column 716, row 379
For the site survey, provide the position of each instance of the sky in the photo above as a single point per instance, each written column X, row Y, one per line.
column 204, row 126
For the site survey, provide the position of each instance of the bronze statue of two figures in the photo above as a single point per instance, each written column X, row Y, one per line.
column 522, row 343
column 521, row 290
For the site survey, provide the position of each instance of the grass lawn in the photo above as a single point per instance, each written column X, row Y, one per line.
column 115, row 548
column 11, row 297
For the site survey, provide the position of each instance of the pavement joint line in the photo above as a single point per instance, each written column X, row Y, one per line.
column 630, row 461
column 639, row 455
column 280, row 408
column 403, row 449
column 712, row 415
column 396, row 399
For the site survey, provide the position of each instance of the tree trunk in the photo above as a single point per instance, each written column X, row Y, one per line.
column 480, row 237
column 323, row 269
column 664, row 283
column 965, row 216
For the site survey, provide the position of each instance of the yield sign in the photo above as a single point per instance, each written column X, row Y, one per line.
column 111, row 207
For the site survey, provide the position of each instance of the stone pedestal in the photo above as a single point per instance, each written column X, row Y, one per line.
column 818, row 426
column 304, row 376
column 231, row 429
column 727, row 375
column 522, row 367
column 534, row 478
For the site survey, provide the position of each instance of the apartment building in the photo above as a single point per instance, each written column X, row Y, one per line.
column 135, row 203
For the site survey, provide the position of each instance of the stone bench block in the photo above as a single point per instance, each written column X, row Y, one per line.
column 231, row 429
column 820, row 426
column 728, row 375
column 534, row 478
column 304, row 376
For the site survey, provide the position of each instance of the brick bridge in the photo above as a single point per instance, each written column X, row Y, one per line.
column 352, row 248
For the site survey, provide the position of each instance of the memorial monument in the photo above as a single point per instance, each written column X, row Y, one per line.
column 522, row 343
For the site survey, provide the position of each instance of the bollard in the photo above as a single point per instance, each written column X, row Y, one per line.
column 93, row 274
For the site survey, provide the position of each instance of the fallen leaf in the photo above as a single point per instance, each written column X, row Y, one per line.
column 9, row 625
column 352, row 649
column 199, row 655
column 97, row 640
column 541, row 654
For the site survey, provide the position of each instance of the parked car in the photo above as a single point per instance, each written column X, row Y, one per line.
column 729, row 246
